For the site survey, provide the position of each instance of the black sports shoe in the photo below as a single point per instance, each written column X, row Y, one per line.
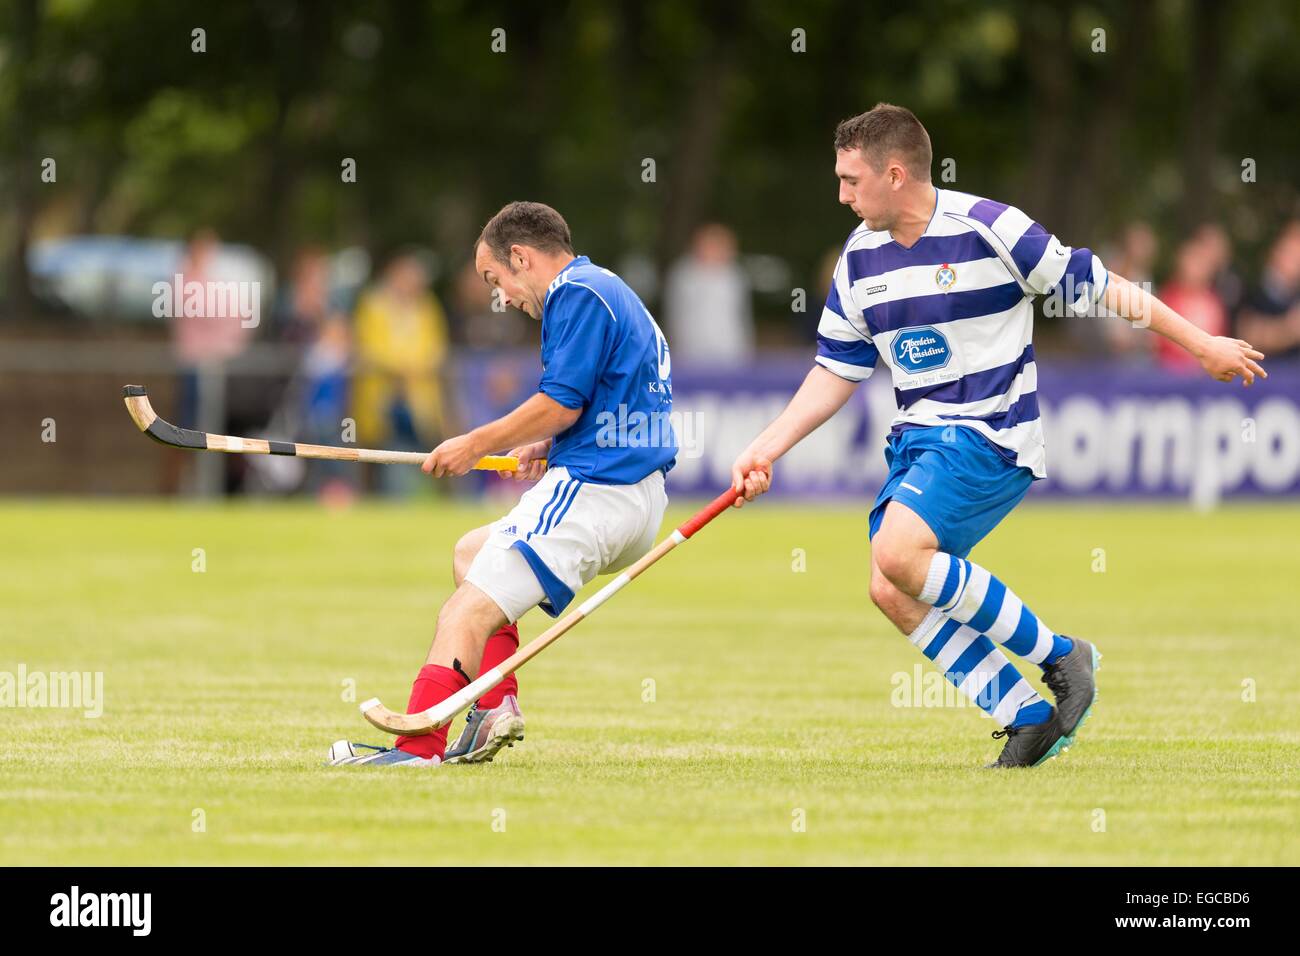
column 1073, row 683
column 1030, row 745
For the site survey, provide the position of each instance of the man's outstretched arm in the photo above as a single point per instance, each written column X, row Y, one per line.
column 539, row 418
column 821, row 395
column 1222, row 358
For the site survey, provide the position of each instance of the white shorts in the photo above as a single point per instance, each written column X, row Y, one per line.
column 563, row 532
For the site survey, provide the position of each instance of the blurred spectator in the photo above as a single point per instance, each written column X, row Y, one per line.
column 1190, row 292
column 1270, row 319
column 1227, row 284
column 707, row 303
column 1133, row 258
column 323, row 375
column 316, row 400
column 305, row 299
column 476, row 323
column 481, row 327
column 204, row 339
column 825, row 275
column 401, row 343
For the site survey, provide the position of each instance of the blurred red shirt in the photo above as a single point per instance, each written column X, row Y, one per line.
column 1199, row 305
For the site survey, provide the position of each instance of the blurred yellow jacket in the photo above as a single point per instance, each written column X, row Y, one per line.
column 400, row 350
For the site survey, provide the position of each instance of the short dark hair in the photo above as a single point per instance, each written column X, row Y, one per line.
column 527, row 224
column 886, row 131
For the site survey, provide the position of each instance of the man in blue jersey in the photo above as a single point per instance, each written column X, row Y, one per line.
column 939, row 286
column 600, row 498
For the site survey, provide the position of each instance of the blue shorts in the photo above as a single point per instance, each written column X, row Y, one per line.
column 961, row 488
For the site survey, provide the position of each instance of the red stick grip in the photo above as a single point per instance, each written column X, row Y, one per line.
column 708, row 513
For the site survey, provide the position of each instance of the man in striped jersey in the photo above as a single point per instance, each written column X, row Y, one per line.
column 938, row 285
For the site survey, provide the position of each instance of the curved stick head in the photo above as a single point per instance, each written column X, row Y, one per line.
column 137, row 404
column 411, row 725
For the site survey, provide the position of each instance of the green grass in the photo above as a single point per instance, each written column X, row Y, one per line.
column 772, row 695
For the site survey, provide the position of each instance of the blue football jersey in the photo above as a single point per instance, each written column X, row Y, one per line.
column 603, row 352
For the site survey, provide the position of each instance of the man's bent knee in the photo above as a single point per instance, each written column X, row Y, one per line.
column 903, row 566
column 468, row 606
column 904, row 612
column 465, row 622
column 883, row 593
column 466, row 550
column 903, row 548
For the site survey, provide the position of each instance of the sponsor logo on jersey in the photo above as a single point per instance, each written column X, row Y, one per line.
column 920, row 350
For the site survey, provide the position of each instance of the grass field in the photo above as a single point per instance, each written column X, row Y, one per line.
column 771, row 697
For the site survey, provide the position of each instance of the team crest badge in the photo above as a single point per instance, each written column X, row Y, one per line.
column 945, row 278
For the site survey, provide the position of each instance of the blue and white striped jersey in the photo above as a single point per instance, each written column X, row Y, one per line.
column 952, row 317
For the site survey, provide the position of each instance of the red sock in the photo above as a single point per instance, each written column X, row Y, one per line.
column 434, row 684
column 500, row 646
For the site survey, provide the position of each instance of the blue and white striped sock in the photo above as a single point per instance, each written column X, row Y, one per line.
column 976, row 667
column 970, row 595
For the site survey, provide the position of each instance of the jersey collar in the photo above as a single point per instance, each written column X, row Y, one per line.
column 934, row 217
column 560, row 279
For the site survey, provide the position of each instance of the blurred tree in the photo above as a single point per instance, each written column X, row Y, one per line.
column 153, row 138
column 21, row 92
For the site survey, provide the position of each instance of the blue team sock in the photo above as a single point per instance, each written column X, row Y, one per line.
column 1060, row 647
column 970, row 595
column 978, row 668
column 1035, row 713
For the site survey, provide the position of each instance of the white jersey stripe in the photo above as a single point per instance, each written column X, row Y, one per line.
column 946, row 308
